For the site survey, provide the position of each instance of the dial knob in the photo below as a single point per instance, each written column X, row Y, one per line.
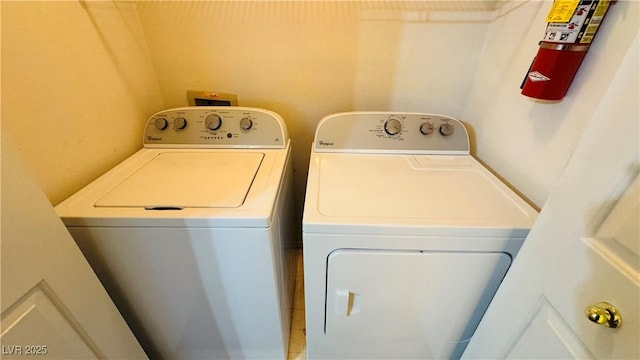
column 446, row 129
column 426, row 128
column 393, row 126
column 213, row 122
column 179, row 123
column 160, row 123
column 246, row 123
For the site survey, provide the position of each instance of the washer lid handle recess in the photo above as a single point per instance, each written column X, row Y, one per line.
column 216, row 127
column 391, row 132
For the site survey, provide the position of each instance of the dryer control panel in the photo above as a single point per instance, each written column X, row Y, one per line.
column 216, row 127
column 391, row 132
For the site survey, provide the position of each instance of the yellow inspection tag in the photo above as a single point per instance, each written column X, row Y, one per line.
column 562, row 10
column 601, row 9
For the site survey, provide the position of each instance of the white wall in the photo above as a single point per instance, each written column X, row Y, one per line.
column 77, row 86
column 529, row 142
column 308, row 59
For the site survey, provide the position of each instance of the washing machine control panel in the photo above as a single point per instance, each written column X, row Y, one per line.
column 418, row 133
column 216, row 127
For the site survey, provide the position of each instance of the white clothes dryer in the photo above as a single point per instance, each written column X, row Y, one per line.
column 406, row 237
column 193, row 235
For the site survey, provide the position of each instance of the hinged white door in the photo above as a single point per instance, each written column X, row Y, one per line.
column 584, row 249
column 53, row 305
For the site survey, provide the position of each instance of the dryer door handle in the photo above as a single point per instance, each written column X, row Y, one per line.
column 346, row 303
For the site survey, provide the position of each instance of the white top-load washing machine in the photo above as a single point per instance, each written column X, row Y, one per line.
column 406, row 237
column 191, row 234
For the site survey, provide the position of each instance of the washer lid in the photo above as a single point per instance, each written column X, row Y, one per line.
column 187, row 180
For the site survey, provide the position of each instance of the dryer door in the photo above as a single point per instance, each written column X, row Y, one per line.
column 415, row 304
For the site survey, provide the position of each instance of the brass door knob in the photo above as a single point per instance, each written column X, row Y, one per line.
column 604, row 314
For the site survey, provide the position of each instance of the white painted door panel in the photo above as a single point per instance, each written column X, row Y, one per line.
column 583, row 249
column 53, row 305
column 548, row 336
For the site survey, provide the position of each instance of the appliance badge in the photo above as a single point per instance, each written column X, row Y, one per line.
column 153, row 138
column 536, row 76
column 326, row 143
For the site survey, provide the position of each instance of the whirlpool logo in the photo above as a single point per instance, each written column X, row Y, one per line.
column 153, row 138
column 326, row 143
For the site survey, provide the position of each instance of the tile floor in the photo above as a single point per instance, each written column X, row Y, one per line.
column 297, row 342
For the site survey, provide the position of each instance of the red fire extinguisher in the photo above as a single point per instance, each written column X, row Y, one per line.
column 571, row 27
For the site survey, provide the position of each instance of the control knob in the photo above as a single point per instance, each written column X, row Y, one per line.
column 446, row 129
column 213, row 122
column 426, row 128
column 393, row 126
column 160, row 123
column 179, row 123
column 246, row 123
